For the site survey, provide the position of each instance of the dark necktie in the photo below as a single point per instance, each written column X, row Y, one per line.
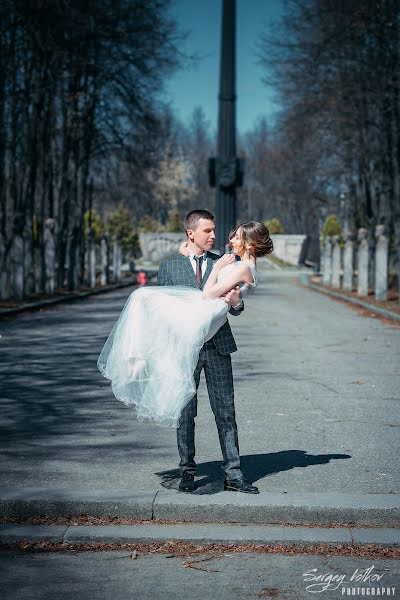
column 199, row 262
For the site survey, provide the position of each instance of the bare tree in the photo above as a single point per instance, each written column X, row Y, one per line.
column 336, row 65
column 80, row 89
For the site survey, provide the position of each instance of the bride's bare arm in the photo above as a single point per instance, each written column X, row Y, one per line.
column 226, row 259
column 213, row 289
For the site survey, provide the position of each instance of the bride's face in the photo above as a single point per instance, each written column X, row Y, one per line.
column 237, row 243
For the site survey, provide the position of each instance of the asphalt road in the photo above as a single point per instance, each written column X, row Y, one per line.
column 105, row 575
column 317, row 399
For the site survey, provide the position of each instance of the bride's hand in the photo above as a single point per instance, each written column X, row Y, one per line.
column 183, row 249
column 226, row 259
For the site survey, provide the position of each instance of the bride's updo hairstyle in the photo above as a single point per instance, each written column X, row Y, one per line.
column 257, row 235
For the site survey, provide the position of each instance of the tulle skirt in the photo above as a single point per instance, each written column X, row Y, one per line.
column 152, row 352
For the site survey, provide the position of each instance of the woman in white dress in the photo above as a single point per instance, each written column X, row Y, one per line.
column 151, row 353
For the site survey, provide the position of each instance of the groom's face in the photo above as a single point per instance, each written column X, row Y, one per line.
column 204, row 234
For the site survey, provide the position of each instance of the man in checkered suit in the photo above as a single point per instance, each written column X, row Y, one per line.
column 215, row 359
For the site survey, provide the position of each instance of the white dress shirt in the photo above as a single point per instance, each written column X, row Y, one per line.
column 203, row 264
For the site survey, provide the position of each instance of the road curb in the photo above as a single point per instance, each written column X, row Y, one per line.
column 225, row 507
column 200, row 533
column 32, row 502
column 279, row 508
column 32, row 306
column 304, row 280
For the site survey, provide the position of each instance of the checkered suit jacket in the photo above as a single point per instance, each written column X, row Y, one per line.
column 178, row 271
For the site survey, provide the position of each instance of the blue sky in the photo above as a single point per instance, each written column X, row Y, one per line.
column 199, row 85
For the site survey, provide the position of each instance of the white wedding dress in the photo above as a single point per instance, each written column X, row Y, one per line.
column 152, row 352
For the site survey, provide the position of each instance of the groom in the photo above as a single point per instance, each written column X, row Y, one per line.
column 193, row 271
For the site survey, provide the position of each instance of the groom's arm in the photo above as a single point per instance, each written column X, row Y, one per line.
column 163, row 276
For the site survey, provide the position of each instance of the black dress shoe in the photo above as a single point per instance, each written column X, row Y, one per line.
column 240, row 485
column 186, row 484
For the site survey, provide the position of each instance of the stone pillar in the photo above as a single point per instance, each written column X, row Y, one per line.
column 362, row 262
column 17, row 267
column 104, row 277
column 4, row 279
column 38, row 270
column 348, row 263
column 30, row 258
column 327, row 276
column 117, row 261
column 49, row 256
column 91, row 261
column 381, row 263
column 73, row 260
column 336, row 262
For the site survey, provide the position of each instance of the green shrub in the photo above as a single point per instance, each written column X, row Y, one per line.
column 119, row 223
column 96, row 222
column 331, row 226
column 174, row 224
column 274, row 226
column 148, row 225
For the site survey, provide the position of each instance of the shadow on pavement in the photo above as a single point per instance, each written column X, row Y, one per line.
column 254, row 466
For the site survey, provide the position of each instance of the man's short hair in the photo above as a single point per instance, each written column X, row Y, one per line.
column 192, row 219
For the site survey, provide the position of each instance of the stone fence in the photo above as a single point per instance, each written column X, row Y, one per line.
column 348, row 266
column 288, row 247
column 103, row 261
column 155, row 247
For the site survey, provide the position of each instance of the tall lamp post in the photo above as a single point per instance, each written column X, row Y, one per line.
column 226, row 170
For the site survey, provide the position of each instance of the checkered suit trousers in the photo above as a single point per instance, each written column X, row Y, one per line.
column 215, row 359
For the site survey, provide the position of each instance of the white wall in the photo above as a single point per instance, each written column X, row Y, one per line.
column 156, row 247
column 287, row 247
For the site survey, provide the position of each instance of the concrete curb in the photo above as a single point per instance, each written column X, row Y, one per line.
column 31, row 502
column 376, row 309
column 225, row 507
column 201, row 533
column 268, row 507
column 9, row 312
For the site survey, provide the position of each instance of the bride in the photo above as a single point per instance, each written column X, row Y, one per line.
column 152, row 352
